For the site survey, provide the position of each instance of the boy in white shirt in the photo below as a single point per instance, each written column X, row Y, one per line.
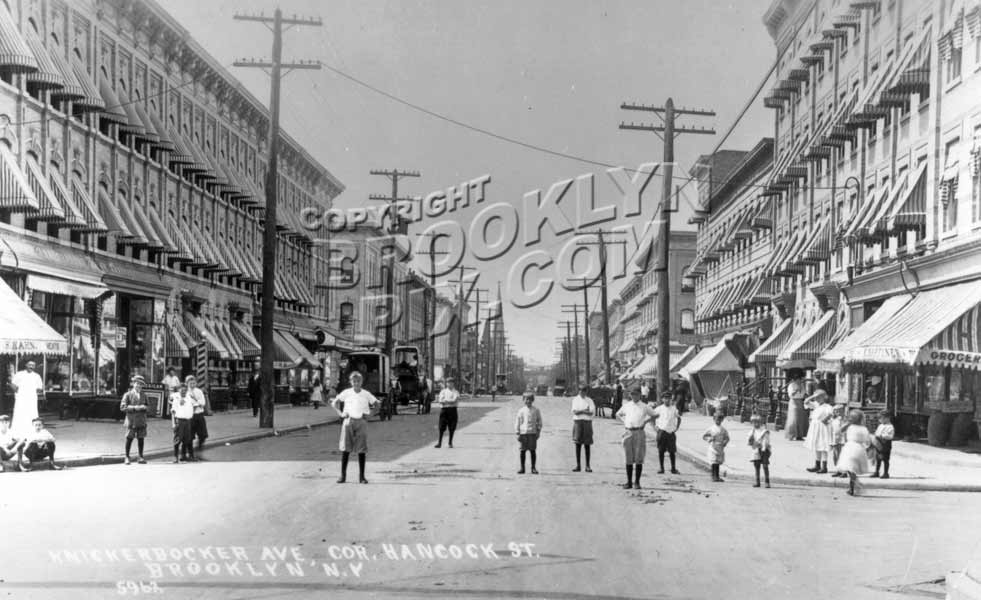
column 635, row 415
column 528, row 426
column 666, row 424
column 448, row 399
column 182, row 411
column 884, row 434
column 10, row 446
column 358, row 403
column 39, row 444
column 583, row 408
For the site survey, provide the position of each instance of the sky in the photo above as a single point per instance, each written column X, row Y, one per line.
column 549, row 73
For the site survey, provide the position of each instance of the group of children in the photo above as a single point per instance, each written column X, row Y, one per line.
column 187, row 404
column 29, row 448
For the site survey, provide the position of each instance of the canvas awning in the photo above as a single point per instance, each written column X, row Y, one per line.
column 246, row 341
column 200, row 330
column 771, row 348
column 87, row 289
column 938, row 326
column 646, row 368
column 15, row 56
column 288, row 346
column 802, row 351
column 832, row 359
column 22, row 331
column 714, row 358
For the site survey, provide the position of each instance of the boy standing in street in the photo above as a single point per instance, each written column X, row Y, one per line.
column 134, row 406
column 357, row 403
column 199, row 426
column 528, row 426
column 182, row 411
column 635, row 415
column 666, row 425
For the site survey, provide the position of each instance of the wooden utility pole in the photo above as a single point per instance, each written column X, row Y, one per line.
column 574, row 309
column 275, row 68
column 394, row 175
column 604, row 306
column 476, row 338
column 667, row 114
column 460, row 320
column 431, row 312
column 585, row 303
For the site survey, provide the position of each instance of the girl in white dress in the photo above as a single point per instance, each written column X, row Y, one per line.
column 854, row 459
column 819, row 434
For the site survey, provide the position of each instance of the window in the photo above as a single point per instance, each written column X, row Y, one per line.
column 687, row 321
column 347, row 270
column 347, row 316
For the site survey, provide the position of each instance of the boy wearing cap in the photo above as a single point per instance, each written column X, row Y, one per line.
column 134, row 406
column 528, row 426
column 635, row 415
column 665, row 426
column 39, row 444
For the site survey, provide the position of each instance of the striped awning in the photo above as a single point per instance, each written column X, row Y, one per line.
column 15, row 191
column 936, row 326
column 769, row 350
column 92, row 100
column 15, row 55
column 246, row 341
column 289, row 346
column 76, row 215
column 50, row 210
column 48, row 76
column 154, row 241
column 176, row 346
column 201, row 331
column 112, row 111
column 802, row 352
column 225, row 334
column 832, row 359
column 910, row 211
column 72, row 90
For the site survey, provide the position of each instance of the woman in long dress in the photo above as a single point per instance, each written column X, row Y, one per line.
column 796, row 416
column 819, row 432
column 854, row 460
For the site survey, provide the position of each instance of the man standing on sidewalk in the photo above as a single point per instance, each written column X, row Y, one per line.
column 666, row 426
column 199, row 426
column 635, row 415
column 254, row 390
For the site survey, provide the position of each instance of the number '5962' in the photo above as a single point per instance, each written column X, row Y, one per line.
column 136, row 588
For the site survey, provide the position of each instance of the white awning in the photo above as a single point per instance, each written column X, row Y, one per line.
column 22, row 331
column 85, row 290
column 713, row 358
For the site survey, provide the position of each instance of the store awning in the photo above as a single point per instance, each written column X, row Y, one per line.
column 221, row 329
column 246, row 341
column 86, row 290
column 680, row 360
column 771, row 348
column 15, row 56
column 290, row 352
column 22, row 331
column 646, row 368
column 92, row 101
column 626, row 346
column 910, row 211
column 175, row 346
column 15, row 192
column 48, row 76
column 832, row 359
column 200, row 330
column 932, row 326
column 714, row 358
column 802, row 352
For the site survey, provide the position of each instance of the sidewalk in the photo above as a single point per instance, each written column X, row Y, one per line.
column 913, row 466
column 84, row 443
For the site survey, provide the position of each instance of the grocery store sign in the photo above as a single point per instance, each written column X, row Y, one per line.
column 967, row 360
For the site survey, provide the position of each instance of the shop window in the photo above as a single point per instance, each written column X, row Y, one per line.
column 687, row 321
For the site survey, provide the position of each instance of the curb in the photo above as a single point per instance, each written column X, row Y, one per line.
column 703, row 464
column 115, row 459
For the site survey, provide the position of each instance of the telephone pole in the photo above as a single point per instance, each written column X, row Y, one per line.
column 585, row 303
column 396, row 227
column 571, row 372
column 602, row 243
column 476, row 338
column 460, row 321
column 430, row 326
column 667, row 114
column 275, row 68
column 574, row 309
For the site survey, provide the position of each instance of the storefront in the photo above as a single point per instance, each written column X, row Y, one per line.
column 25, row 336
column 918, row 357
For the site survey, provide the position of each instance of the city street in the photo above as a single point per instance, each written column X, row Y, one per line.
column 265, row 519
